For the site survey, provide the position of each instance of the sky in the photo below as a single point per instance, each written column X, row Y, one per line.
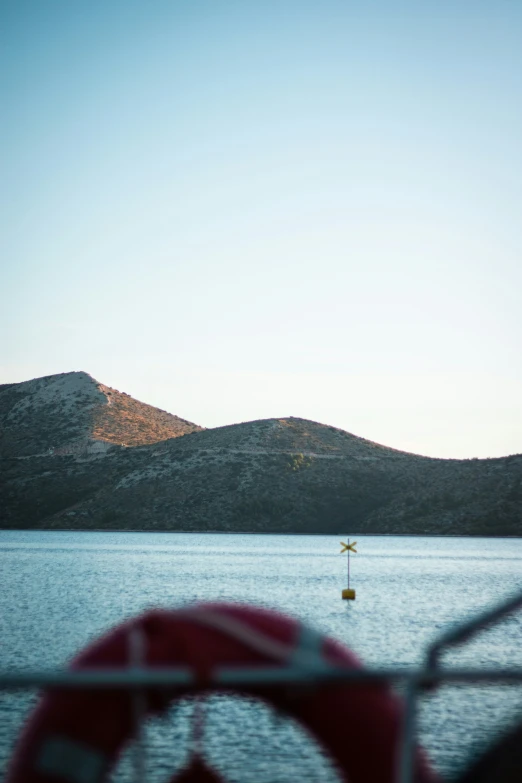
column 238, row 210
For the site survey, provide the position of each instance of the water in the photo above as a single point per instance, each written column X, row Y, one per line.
column 58, row 590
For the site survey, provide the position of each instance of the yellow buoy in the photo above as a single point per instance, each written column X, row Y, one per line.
column 348, row 593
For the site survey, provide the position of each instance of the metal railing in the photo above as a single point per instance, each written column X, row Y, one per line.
column 300, row 672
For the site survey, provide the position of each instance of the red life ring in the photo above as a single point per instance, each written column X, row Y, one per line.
column 87, row 729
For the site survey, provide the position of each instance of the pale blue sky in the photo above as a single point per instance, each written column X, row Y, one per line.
column 238, row 210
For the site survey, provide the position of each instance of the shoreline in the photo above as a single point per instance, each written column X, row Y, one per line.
column 252, row 533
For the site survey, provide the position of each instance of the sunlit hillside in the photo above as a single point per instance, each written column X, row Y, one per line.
column 80, row 455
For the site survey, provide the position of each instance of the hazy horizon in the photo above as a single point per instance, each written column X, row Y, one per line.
column 244, row 211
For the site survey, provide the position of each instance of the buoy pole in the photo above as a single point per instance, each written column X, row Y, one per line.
column 348, row 561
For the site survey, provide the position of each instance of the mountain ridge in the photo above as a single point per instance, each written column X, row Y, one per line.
column 269, row 475
column 79, row 414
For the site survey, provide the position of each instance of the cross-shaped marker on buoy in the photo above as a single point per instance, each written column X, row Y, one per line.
column 348, row 547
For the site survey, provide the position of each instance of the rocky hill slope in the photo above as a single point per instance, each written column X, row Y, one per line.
column 72, row 413
column 275, row 475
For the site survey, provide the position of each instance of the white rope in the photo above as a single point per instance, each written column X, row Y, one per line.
column 306, row 653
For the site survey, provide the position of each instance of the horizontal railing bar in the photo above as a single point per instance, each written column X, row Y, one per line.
column 302, row 675
column 222, row 677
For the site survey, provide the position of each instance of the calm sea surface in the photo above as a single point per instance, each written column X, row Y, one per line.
column 58, row 590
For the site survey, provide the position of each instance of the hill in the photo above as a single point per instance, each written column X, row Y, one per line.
column 72, row 413
column 274, row 475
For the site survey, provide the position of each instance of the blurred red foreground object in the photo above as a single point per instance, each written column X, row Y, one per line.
column 77, row 735
column 197, row 772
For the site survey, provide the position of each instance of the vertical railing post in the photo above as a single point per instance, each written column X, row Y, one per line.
column 137, row 659
column 406, row 752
